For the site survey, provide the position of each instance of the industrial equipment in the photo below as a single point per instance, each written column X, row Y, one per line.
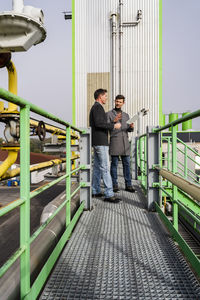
column 21, row 28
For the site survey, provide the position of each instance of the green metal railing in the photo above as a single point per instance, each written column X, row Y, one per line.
column 184, row 159
column 178, row 185
column 28, row 291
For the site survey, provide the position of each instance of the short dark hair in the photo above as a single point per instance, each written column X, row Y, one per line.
column 99, row 92
column 120, row 97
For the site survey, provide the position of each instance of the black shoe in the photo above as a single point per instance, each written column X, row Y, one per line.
column 112, row 199
column 97, row 195
column 130, row 189
column 115, row 188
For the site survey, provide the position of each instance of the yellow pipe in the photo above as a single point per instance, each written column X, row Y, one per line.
column 12, row 85
column 53, row 129
column 44, row 165
column 11, row 159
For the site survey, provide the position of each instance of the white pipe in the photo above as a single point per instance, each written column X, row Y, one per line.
column 120, row 45
column 139, row 18
column 18, row 5
column 113, row 55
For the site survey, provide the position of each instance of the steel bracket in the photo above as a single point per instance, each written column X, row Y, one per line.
column 85, row 172
column 153, row 148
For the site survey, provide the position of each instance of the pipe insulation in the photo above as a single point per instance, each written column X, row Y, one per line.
column 40, row 250
column 188, row 187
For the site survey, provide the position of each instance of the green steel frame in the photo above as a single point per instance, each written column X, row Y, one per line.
column 26, row 290
column 188, row 173
column 180, row 200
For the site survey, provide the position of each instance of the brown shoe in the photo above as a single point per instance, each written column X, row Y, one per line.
column 112, row 199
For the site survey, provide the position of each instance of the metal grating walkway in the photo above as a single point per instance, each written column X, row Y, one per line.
column 120, row 251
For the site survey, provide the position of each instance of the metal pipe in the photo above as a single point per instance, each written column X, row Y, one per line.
column 21, row 102
column 18, row 5
column 16, row 172
column 10, row 160
column 40, row 166
column 135, row 23
column 113, row 55
column 41, row 248
column 12, row 82
column 188, row 187
column 120, row 45
column 49, row 128
column 12, row 85
column 178, row 121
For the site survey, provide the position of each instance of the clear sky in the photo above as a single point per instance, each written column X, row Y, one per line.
column 44, row 72
column 181, row 56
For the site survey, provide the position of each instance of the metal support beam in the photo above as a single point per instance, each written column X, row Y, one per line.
column 153, row 148
column 85, row 174
column 134, row 158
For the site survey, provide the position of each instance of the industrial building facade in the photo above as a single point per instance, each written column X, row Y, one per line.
column 118, row 46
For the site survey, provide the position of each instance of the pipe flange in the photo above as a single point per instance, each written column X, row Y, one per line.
column 6, row 117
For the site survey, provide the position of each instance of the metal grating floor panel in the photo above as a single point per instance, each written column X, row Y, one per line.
column 121, row 251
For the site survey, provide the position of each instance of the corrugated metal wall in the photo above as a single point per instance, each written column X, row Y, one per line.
column 140, row 54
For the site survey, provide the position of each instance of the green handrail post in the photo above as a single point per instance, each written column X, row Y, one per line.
column 174, row 170
column 68, row 178
column 25, row 195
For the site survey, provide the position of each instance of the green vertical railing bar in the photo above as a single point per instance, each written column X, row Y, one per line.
column 174, row 170
column 68, row 179
column 25, row 195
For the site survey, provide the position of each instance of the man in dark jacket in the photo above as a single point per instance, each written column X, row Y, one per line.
column 100, row 127
column 119, row 144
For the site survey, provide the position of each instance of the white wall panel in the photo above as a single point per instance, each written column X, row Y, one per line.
column 140, row 53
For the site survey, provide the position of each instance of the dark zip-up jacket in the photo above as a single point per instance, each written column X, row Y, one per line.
column 99, row 125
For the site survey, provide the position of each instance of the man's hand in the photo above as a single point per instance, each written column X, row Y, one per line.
column 132, row 125
column 117, row 126
column 118, row 117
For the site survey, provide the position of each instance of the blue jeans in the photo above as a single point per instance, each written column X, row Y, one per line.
column 126, row 169
column 101, row 169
